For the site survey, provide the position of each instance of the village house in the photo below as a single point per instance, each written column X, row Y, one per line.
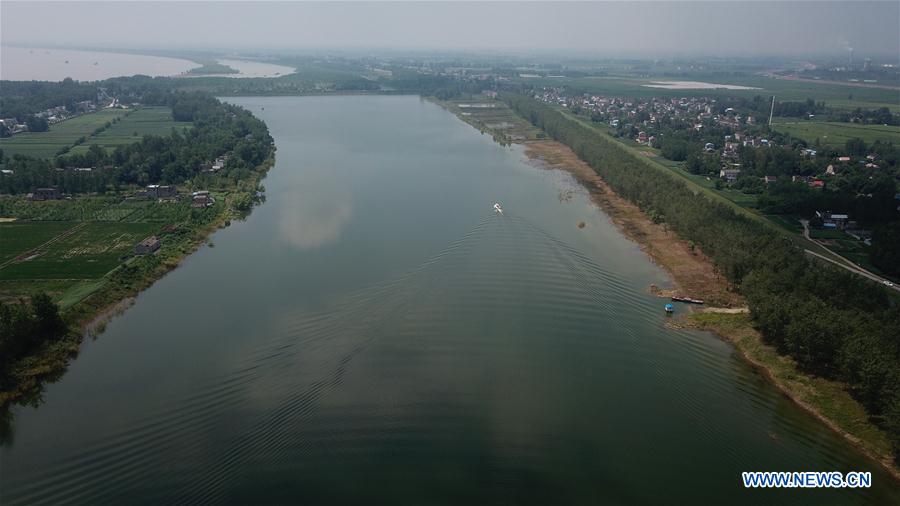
column 831, row 220
column 155, row 191
column 40, row 194
column 202, row 199
column 770, row 179
column 147, row 246
column 729, row 175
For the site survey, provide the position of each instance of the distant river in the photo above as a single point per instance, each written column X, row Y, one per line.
column 375, row 334
column 27, row 64
column 248, row 68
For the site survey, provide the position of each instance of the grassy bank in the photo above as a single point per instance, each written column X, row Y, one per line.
column 695, row 275
column 827, row 400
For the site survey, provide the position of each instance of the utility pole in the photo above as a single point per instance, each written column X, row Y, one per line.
column 772, row 110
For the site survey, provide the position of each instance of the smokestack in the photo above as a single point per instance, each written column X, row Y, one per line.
column 850, row 59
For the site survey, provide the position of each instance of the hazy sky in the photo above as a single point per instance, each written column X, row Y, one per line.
column 609, row 28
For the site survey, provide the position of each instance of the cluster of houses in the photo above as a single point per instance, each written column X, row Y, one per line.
column 640, row 120
column 59, row 113
column 158, row 192
column 216, row 165
column 843, row 163
column 12, row 126
column 647, row 114
column 53, row 115
column 169, row 193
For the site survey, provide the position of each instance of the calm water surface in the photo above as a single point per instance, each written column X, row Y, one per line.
column 27, row 64
column 374, row 334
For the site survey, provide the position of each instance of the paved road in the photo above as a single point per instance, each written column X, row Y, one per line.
column 846, row 264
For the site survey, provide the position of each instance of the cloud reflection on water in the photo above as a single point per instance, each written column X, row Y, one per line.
column 312, row 219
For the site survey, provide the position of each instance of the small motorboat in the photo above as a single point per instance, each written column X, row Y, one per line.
column 670, row 308
column 497, row 208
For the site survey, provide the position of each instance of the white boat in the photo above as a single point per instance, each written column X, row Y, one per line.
column 497, row 208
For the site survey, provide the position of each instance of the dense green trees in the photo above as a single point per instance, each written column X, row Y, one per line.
column 677, row 149
column 886, row 248
column 832, row 322
column 36, row 124
column 24, row 327
column 880, row 116
column 218, row 128
column 21, row 99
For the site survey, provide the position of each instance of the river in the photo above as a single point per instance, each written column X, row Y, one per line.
column 44, row 64
column 375, row 334
column 41, row 64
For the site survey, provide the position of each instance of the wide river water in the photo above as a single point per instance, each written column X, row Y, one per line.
column 375, row 334
column 39, row 64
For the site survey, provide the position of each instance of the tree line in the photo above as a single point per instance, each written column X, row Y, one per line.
column 218, row 128
column 25, row 326
column 833, row 323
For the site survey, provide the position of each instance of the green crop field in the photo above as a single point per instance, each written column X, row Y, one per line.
column 836, row 135
column 46, row 144
column 17, row 237
column 88, row 252
column 72, row 245
column 79, row 209
column 141, row 122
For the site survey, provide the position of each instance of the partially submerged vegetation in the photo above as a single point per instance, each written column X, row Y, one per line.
column 212, row 67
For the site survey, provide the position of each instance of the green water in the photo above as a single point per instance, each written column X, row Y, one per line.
column 375, row 334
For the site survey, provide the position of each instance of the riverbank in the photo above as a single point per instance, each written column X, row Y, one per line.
column 694, row 275
column 88, row 317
